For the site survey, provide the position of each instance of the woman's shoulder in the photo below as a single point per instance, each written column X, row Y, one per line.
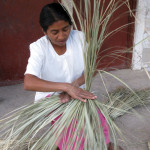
column 77, row 36
column 40, row 42
column 76, row 33
column 39, row 46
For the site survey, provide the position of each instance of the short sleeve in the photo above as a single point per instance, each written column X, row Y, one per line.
column 35, row 60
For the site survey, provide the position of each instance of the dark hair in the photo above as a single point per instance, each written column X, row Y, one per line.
column 51, row 13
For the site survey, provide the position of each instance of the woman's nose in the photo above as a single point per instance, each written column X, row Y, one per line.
column 61, row 36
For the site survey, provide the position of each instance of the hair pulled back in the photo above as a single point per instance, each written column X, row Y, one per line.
column 51, row 13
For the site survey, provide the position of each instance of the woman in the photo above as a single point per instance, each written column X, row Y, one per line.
column 56, row 61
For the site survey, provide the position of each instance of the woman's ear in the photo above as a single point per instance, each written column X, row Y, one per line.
column 43, row 31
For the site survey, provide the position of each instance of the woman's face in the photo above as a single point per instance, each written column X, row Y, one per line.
column 58, row 33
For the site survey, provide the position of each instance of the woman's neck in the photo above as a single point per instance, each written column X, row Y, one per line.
column 60, row 50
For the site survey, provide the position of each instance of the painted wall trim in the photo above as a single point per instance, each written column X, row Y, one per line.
column 138, row 35
column 141, row 51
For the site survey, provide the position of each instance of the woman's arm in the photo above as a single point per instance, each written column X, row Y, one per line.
column 80, row 81
column 33, row 83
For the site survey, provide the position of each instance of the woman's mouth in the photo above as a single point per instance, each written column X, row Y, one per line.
column 62, row 42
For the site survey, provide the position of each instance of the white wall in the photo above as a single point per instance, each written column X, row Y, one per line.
column 141, row 51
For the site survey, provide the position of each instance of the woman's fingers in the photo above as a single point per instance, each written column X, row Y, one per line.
column 78, row 93
column 81, row 99
column 64, row 97
column 87, row 95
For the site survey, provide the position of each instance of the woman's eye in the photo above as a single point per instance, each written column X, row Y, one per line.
column 54, row 32
column 65, row 29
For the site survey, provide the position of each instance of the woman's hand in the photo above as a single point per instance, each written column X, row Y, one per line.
column 78, row 93
column 64, row 97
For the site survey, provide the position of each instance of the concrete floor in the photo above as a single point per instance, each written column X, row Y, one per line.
column 136, row 130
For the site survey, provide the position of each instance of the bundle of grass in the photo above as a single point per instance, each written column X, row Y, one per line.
column 121, row 100
column 30, row 121
column 23, row 129
column 79, row 121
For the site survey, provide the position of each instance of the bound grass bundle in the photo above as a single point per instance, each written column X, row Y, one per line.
column 31, row 125
column 122, row 100
column 30, row 121
column 80, row 121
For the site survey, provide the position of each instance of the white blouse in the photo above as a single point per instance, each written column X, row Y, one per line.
column 46, row 64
